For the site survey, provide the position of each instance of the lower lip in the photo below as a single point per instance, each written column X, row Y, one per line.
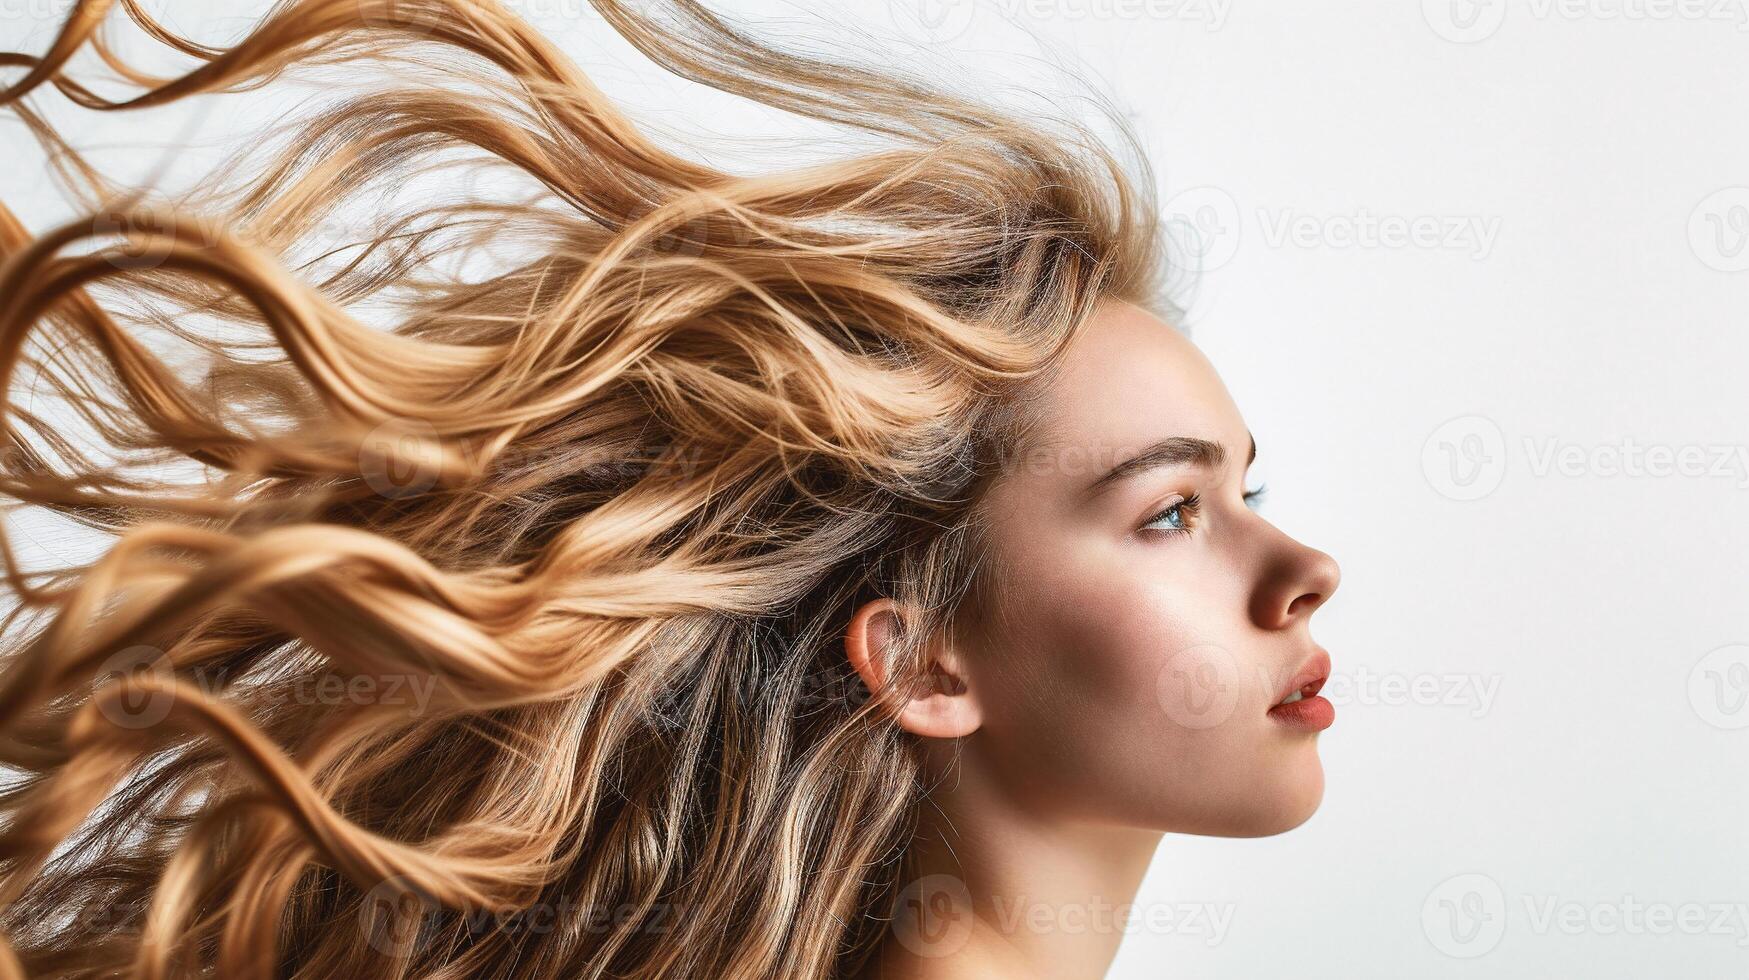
column 1314, row 714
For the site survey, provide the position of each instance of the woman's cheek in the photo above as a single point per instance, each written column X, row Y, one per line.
column 1107, row 640
column 1111, row 641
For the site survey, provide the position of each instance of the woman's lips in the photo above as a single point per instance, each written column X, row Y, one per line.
column 1308, row 711
column 1311, row 713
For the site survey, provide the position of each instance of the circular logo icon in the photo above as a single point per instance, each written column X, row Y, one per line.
column 413, row 16
column 1465, row 458
column 694, row 235
column 1464, row 916
column 1200, row 685
column 1718, row 687
column 933, row 917
column 1464, row 21
column 1718, row 230
column 401, row 458
column 136, row 706
column 391, row 916
column 941, row 21
column 1202, row 224
column 146, row 241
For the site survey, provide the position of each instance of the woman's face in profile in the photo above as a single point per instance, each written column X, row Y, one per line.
column 1150, row 619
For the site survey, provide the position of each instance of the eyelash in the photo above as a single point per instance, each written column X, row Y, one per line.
column 1189, row 506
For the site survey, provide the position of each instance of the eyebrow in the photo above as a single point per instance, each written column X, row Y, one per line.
column 1171, row 451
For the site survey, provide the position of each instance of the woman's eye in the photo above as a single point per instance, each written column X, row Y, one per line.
column 1254, row 498
column 1179, row 518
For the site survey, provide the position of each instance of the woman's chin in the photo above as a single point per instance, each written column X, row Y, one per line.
column 1293, row 804
column 1279, row 807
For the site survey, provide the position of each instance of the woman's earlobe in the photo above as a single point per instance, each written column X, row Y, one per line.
column 939, row 700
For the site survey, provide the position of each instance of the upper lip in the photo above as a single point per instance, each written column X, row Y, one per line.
column 1310, row 678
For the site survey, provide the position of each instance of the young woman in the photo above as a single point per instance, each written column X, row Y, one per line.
column 813, row 573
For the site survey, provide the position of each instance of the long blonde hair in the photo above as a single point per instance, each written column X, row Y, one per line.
column 505, row 639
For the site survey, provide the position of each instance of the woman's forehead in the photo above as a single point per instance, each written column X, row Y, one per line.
column 1130, row 378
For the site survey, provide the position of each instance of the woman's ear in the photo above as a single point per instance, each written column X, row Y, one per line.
column 938, row 704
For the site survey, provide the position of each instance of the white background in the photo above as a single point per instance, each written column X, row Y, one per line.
column 1445, row 240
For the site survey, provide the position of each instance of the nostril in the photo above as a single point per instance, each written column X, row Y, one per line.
column 1305, row 604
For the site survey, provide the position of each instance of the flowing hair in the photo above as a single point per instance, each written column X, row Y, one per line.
column 492, row 625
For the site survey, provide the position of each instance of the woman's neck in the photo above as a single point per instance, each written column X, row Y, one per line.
column 992, row 888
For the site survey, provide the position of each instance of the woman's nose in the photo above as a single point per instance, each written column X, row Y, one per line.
column 1299, row 580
